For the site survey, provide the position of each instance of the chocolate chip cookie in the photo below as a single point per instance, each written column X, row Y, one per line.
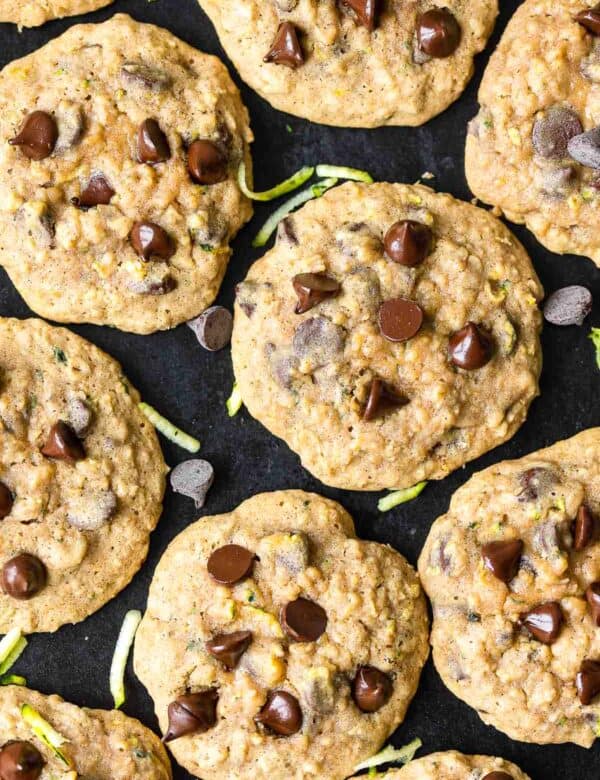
column 119, row 148
column 369, row 63
column 451, row 765
column 276, row 644
column 102, row 744
column 534, row 148
column 390, row 336
column 81, row 477
column 512, row 572
column 32, row 13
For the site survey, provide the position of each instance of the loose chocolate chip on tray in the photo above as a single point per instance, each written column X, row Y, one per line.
column 281, row 713
column 365, row 12
column 230, row 564
column 502, row 558
column 592, row 595
column 585, row 148
column 37, row 137
column 229, row 648
column 97, row 192
column 20, row 761
column 584, row 528
column 438, row 32
column 23, row 576
column 587, row 681
column 152, row 143
column 213, row 328
column 371, row 689
column 568, row 306
column 193, row 478
column 207, row 164
column 408, row 242
column 590, row 19
column 192, row 713
column 150, row 241
column 304, row 620
column 497, row 776
column 553, row 130
column 470, row 348
column 286, row 49
column 312, row 288
column 6, row 501
column 400, row 319
column 544, row 622
column 381, row 397
column 63, row 444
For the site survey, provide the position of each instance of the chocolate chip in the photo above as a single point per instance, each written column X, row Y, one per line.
column 207, row 164
column 229, row 648
column 408, row 242
column 553, row 130
column 317, row 339
column 502, row 558
column 63, row 444
column 544, row 622
column 97, row 192
column 590, row 19
column 193, row 478
column 152, row 144
column 312, row 288
column 535, row 483
column 365, row 12
column 371, row 689
column 587, row 681
column 592, row 595
column 568, row 305
column 213, row 328
column 23, row 576
column 497, row 776
column 584, row 528
column 281, row 713
column 585, row 148
column 192, row 713
column 152, row 286
column 286, row 232
column 286, row 49
column 6, row 501
column 141, row 75
column 304, row 620
column 381, row 397
column 150, row 241
column 400, row 319
column 470, row 348
column 438, row 32
column 20, row 761
column 37, row 136
column 230, row 564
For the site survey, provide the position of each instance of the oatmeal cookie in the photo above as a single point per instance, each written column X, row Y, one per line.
column 451, row 765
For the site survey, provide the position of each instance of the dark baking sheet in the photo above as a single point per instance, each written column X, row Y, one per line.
column 190, row 386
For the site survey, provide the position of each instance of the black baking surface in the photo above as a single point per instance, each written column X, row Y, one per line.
column 190, row 386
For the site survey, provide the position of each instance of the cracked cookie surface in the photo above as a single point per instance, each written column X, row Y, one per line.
column 32, row 13
column 451, row 765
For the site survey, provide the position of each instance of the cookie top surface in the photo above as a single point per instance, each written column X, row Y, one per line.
column 528, row 150
column 311, row 378
column 103, row 744
column 333, row 622
column 32, row 13
column 364, row 78
column 508, row 571
column 451, row 765
column 86, row 508
column 89, row 233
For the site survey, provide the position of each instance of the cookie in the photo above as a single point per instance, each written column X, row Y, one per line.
column 452, row 765
column 102, row 744
column 512, row 573
column 369, row 65
column 81, row 477
column 119, row 150
column 390, row 336
column 534, row 148
column 32, row 13
column 276, row 644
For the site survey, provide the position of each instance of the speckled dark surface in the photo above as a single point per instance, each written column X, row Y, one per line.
column 190, row 386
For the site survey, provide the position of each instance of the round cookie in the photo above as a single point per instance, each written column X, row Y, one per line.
column 369, row 66
column 119, row 150
column 512, row 573
column 451, row 765
column 81, row 477
column 103, row 744
column 421, row 354
column 325, row 638
column 32, row 13
column 534, row 148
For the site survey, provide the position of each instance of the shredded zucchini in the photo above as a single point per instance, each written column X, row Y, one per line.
column 390, row 755
column 11, row 647
column 234, row 402
column 343, row 172
column 289, row 185
column 595, row 337
column 42, row 729
column 170, row 431
column 400, row 497
column 12, row 679
column 121, row 654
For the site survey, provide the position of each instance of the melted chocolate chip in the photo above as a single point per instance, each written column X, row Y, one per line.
column 207, row 164
column 152, row 144
column 366, row 12
column 535, row 483
column 151, row 242
column 381, row 398
column 438, row 33
column 590, row 19
column 281, row 713
column 408, row 242
column 585, row 148
column 229, row 648
column 311, row 289
column 192, row 713
column 371, row 689
column 23, row 576
column 470, row 348
column 584, row 528
column 6, row 501
column 63, row 444
column 230, row 564
column 553, row 130
column 20, row 761
column 587, row 681
column 592, row 595
column 286, row 49
column 97, row 192
column 400, row 319
column 497, row 776
column 37, row 137
column 304, row 620
column 544, row 622
column 502, row 558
